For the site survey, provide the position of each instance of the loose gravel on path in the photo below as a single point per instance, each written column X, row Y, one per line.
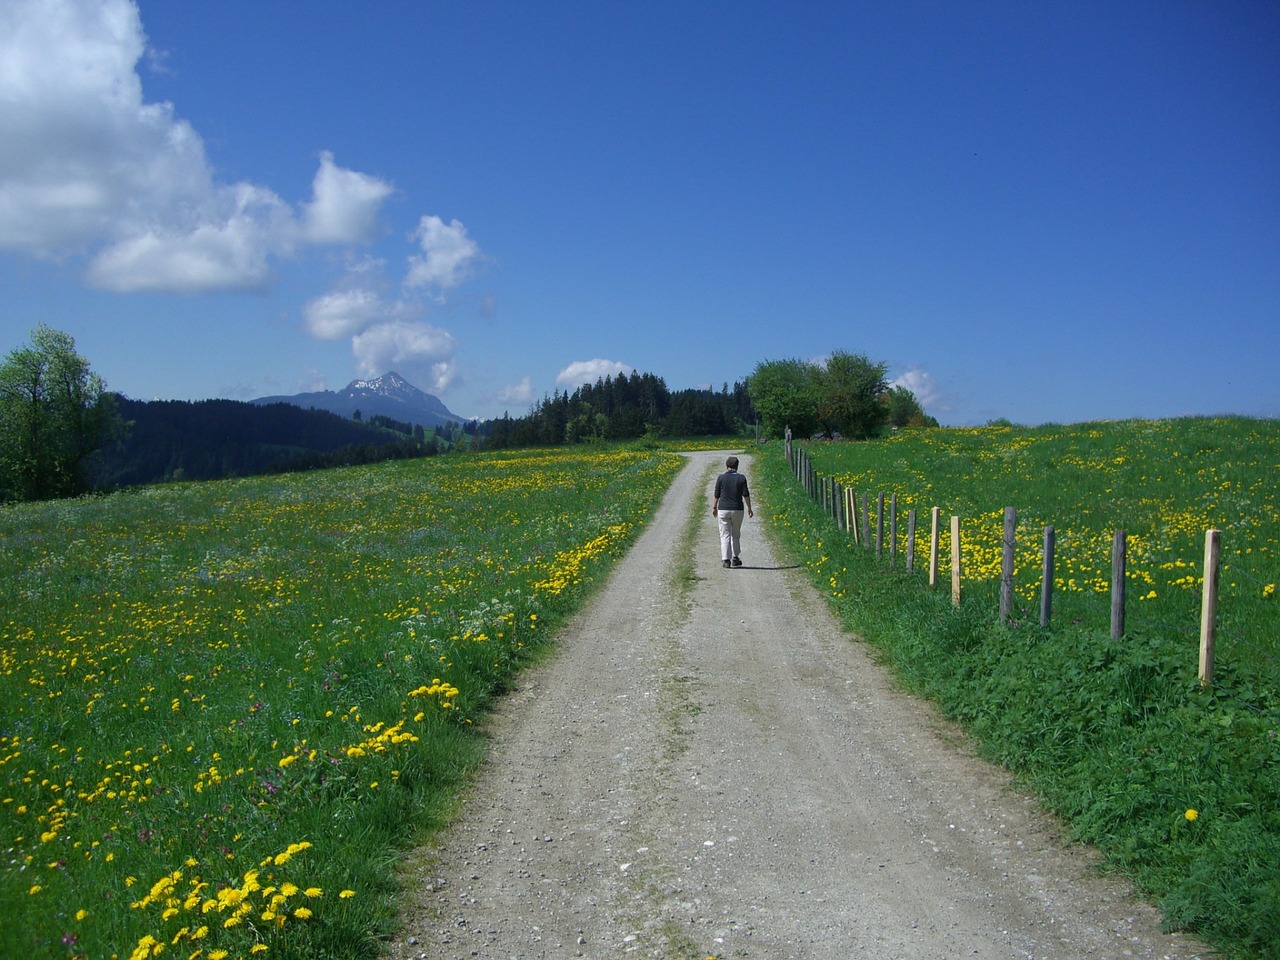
column 708, row 767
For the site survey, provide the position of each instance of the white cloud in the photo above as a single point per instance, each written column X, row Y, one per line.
column 521, row 393
column 387, row 333
column 921, row 383
column 449, row 254
column 87, row 166
column 345, row 205
column 415, row 349
column 589, row 371
column 226, row 250
column 344, row 313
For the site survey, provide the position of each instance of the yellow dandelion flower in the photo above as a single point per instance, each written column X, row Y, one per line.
column 1192, row 814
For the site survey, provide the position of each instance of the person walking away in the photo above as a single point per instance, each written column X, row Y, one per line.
column 730, row 501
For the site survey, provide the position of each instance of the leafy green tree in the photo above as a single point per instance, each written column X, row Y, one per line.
column 54, row 413
column 586, row 426
column 903, row 409
column 784, row 393
column 850, row 386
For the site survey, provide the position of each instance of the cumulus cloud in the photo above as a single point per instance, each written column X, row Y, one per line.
column 228, row 247
column 414, row 348
column 87, row 166
column 921, row 383
column 521, row 393
column 448, row 254
column 387, row 332
column 344, row 313
column 345, row 205
column 589, row 371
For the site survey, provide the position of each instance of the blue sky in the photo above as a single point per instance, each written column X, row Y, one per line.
column 1041, row 211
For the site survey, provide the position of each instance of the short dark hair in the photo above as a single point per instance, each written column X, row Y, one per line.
column 732, row 463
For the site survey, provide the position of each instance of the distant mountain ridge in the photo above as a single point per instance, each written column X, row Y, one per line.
column 389, row 395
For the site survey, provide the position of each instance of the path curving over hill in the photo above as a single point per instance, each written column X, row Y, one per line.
column 709, row 767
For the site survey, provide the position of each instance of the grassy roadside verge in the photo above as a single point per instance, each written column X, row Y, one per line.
column 1178, row 787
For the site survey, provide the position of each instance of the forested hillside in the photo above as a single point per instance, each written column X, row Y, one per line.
column 213, row 439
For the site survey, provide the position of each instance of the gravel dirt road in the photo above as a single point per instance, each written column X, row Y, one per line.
column 708, row 767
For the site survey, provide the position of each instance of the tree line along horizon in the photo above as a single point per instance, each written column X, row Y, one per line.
column 62, row 433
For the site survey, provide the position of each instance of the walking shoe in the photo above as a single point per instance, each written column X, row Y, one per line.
column 726, row 564
column 737, row 562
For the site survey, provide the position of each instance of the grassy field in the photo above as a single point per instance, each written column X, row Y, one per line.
column 225, row 708
column 1178, row 785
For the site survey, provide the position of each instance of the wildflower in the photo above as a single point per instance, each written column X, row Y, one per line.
column 1192, row 814
column 303, row 913
column 346, row 894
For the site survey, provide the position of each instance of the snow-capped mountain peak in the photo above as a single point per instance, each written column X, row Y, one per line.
column 390, row 395
column 388, row 385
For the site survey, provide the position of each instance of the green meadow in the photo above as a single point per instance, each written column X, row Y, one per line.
column 1177, row 784
column 227, row 708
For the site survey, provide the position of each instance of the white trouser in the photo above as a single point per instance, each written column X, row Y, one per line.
column 730, row 533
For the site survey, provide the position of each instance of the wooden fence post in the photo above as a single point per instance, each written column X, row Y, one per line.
column 1006, row 564
column 934, row 514
column 911, row 540
column 851, row 512
column 880, row 527
column 1046, row 578
column 1117, row 585
column 866, row 522
column 1209, row 604
column 955, row 561
column 893, row 530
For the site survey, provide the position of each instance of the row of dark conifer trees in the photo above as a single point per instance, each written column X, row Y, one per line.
column 625, row 407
